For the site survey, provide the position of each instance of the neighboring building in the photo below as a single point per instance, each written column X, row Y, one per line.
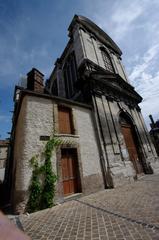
column 154, row 133
column 89, row 102
column 3, row 157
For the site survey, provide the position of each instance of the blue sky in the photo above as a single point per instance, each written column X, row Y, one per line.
column 34, row 33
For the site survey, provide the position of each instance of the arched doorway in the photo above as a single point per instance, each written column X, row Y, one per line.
column 131, row 141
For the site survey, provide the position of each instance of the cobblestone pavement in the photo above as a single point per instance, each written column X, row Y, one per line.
column 125, row 213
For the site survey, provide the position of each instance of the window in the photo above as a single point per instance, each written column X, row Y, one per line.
column 70, row 75
column 55, row 88
column 65, row 120
column 107, row 62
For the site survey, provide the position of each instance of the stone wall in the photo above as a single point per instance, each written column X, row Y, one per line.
column 85, row 141
column 39, row 117
column 3, row 157
column 35, row 120
column 90, row 158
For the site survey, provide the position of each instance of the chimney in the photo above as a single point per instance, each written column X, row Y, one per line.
column 35, row 81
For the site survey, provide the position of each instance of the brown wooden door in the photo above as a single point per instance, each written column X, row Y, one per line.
column 70, row 171
column 132, row 148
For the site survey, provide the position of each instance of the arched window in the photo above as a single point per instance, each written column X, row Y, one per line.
column 107, row 61
column 70, row 75
column 54, row 89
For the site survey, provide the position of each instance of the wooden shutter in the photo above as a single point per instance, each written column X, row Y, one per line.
column 65, row 120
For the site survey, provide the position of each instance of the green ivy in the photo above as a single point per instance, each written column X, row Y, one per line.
column 48, row 192
column 42, row 193
column 35, row 187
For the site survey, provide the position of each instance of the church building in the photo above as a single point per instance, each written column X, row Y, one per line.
column 89, row 103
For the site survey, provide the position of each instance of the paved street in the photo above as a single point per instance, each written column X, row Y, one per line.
column 125, row 213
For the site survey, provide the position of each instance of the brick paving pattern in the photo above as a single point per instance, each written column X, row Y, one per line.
column 125, row 213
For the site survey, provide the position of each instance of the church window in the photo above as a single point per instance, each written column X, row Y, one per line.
column 65, row 120
column 55, row 88
column 70, row 75
column 107, row 61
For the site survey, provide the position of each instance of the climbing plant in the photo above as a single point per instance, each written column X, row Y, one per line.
column 35, row 187
column 48, row 191
column 42, row 192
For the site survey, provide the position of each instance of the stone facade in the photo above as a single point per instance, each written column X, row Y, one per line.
column 102, row 82
column 37, row 117
column 87, row 47
column 109, row 137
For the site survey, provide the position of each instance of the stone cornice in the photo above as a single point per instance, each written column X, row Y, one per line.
column 113, row 86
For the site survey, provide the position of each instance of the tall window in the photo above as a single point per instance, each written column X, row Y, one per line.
column 65, row 120
column 70, row 75
column 107, row 62
column 55, row 88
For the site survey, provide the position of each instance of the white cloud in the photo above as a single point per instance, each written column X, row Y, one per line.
column 122, row 16
column 146, row 82
column 146, row 62
column 127, row 12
